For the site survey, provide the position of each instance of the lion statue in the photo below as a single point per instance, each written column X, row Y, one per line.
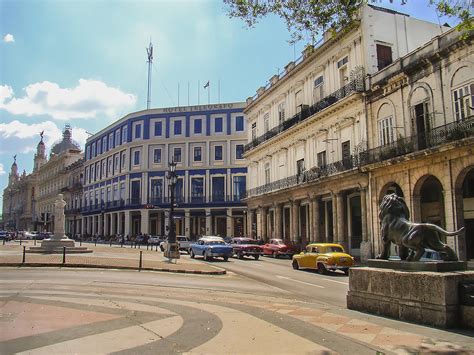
column 411, row 238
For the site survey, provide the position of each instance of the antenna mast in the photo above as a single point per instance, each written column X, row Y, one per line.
column 149, row 52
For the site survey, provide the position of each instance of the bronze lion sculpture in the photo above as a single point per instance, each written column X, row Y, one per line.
column 411, row 238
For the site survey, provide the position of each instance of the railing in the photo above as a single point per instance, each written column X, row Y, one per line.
column 69, row 211
column 311, row 175
column 448, row 133
column 308, row 111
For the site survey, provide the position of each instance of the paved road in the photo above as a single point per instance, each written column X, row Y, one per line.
column 305, row 285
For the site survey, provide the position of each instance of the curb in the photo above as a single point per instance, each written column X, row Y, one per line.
column 92, row 266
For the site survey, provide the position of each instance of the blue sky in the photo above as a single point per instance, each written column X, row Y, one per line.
column 84, row 62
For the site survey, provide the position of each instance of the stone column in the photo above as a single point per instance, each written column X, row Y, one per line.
column 119, row 223
column 310, row 221
column 253, row 224
column 264, row 224
column 83, row 229
column 145, row 221
column 334, row 218
column 100, row 225
column 113, row 223
column 365, row 245
column 278, row 221
column 106, row 224
column 295, row 206
column 270, row 228
column 187, row 222
column 341, row 221
column 229, row 223
column 127, row 229
column 316, row 220
column 208, row 222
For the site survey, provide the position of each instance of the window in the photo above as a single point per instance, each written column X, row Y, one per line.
column 218, row 188
column 318, row 93
column 156, row 190
column 158, row 129
column 384, row 56
column 267, row 173
column 239, row 123
column 179, row 191
column 177, row 128
column 254, row 131
column 87, row 175
column 104, row 144
column 103, row 172
column 135, row 192
column 111, row 140
column 240, row 184
column 102, row 196
column 122, row 161
column 157, row 156
column 116, row 195
column 93, row 150
column 138, row 131
column 197, row 189
column 117, row 137
column 300, row 167
column 218, row 124
column 197, row 154
column 218, row 152
column 266, row 122
column 299, row 101
column 385, row 126
column 92, row 176
column 198, row 126
column 136, row 157
column 342, row 62
column 108, row 195
column 98, row 171
column 99, row 147
column 124, row 134
column 177, row 155
column 110, row 164
column 116, row 163
column 463, row 98
column 239, row 151
column 322, row 159
column 88, row 152
column 281, row 112
column 122, row 190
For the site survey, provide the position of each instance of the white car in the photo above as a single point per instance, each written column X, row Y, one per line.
column 31, row 235
column 183, row 243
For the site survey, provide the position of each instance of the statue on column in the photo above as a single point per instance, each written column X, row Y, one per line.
column 59, row 217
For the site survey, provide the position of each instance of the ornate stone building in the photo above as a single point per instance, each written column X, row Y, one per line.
column 54, row 177
column 420, row 113
column 18, row 200
column 308, row 126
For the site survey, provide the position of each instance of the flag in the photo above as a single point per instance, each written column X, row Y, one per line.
column 207, row 85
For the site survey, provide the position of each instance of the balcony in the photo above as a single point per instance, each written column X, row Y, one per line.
column 314, row 174
column 308, row 111
column 448, row 133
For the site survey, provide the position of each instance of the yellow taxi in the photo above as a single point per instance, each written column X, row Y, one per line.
column 323, row 257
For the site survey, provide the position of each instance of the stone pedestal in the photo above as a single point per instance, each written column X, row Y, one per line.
column 365, row 251
column 416, row 296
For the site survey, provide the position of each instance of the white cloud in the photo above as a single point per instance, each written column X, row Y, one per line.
column 8, row 38
column 89, row 99
column 18, row 137
column 2, row 169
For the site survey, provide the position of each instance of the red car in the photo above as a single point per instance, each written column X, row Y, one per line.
column 246, row 247
column 277, row 247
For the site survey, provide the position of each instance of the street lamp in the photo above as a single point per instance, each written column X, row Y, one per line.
column 172, row 251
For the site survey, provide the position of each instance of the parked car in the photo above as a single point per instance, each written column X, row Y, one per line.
column 155, row 240
column 183, row 243
column 43, row 235
column 278, row 247
column 31, row 235
column 4, row 235
column 428, row 255
column 246, row 247
column 210, row 247
column 323, row 257
column 141, row 239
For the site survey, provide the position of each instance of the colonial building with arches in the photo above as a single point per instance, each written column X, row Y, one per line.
column 420, row 113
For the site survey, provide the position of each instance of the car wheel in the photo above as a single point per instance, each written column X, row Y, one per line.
column 240, row 255
column 226, row 258
column 256, row 257
column 346, row 272
column 191, row 253
column 321, row 268
column 295, row 265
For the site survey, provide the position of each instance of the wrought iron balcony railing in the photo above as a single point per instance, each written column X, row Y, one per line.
column 308, row 111
column 311, row 175
column 443, row 134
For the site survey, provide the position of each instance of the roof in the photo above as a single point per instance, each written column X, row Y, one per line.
column 66, row 143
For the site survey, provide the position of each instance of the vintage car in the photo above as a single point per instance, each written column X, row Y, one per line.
column 183, row 243
column 278, row 247
column 323, row 257
column 246, row 247
column 210, row 247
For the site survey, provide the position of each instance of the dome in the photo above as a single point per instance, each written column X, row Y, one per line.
column 66, row 143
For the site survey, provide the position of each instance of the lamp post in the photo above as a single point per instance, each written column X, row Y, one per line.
column 172, row 251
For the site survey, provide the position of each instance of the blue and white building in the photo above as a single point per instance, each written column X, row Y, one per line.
column 125, row 185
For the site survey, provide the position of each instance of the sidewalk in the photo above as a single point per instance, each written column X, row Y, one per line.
column 106, row 257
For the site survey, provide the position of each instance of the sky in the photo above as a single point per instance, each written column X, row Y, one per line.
column 84, row 63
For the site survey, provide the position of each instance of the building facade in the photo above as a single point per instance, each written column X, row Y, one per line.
column 125, row 186
column 308, row 126
column 53, row 177
column 421, row 124
column 73, row 196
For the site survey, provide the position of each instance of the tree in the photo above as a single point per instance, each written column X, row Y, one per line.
column 307, row 19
